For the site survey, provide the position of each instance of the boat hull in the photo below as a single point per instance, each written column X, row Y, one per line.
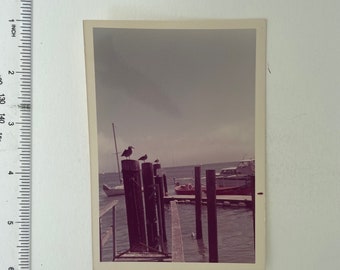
column 185, row 190
column 235, row 190
column 238, row 190
column 115, row 191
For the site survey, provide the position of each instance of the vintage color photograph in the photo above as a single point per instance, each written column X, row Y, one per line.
column 177, row 131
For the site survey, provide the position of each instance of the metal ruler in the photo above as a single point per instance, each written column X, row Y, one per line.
column 15, row 133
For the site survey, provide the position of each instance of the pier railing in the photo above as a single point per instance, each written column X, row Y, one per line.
column 105, row 237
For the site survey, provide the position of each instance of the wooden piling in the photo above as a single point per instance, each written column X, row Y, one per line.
column 134, row 205
column 156, row 166
column 159, row 215
column 212, row 215
column 150, row 204
column 198, row 202
column 159, row 183
column 165, row 185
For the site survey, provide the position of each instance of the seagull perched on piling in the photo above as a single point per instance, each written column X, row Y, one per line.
column 157, row 160
column 127, row 152
column 143, row 157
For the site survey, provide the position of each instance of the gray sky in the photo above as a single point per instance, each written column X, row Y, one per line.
column 183, row 96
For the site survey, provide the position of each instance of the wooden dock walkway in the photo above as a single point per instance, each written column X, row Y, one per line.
column 224, row 199
column 176, row 234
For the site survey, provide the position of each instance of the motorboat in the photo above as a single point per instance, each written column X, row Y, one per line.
column 229, row 181
column 113, row 191
column 185, row 189
column 188, row 189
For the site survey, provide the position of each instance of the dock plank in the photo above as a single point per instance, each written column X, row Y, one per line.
column 143, row 257
column 176, row 234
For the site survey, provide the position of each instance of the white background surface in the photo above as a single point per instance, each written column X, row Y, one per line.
column 303, row 163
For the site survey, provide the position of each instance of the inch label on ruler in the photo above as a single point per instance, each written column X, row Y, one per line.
column 15, row 134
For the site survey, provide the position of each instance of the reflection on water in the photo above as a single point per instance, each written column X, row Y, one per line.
column 202, row 250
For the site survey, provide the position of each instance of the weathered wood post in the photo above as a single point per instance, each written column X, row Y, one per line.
column 113, row 233
column 198, row 202
column 150, row 204
column 159, row 214
column 212, row 216
column 159, row 183
column 165, row 185
column 156, row 167
column 134, row 205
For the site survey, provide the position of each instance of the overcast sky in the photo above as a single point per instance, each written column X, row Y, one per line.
column 183, row 96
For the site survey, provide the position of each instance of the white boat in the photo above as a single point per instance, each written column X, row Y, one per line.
column 113, row 191
column 116, row 190
column 229, row 173
column 238, row 174
column 246, row 167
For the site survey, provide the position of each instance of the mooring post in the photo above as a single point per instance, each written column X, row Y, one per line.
column 159, row 182
column 198, row 202
column 159, row 214
column 165, row 185
column 212, row 216
column 156, row 167
column 134, row 205
column 113, row 233
column 150, row 204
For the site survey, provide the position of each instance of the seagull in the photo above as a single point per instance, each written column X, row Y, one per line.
column 143, row 157
column 127, row 152
column 157, row 160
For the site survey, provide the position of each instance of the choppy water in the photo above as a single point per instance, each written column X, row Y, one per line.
column 235, row 228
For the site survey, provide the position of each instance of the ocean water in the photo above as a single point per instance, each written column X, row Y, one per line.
column 234, row 228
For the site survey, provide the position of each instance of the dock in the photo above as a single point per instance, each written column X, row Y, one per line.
column 144, row 202
column 221, row 199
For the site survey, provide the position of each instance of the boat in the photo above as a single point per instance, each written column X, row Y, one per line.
column 229, row 181
column 230, row 173
column 185, row 189
column 246, row 167
column 113, row 191
column 237, row 175
column 236, row 190
column 116, row 190
column 188, row 189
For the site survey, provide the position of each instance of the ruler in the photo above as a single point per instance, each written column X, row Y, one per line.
column 15, row 133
